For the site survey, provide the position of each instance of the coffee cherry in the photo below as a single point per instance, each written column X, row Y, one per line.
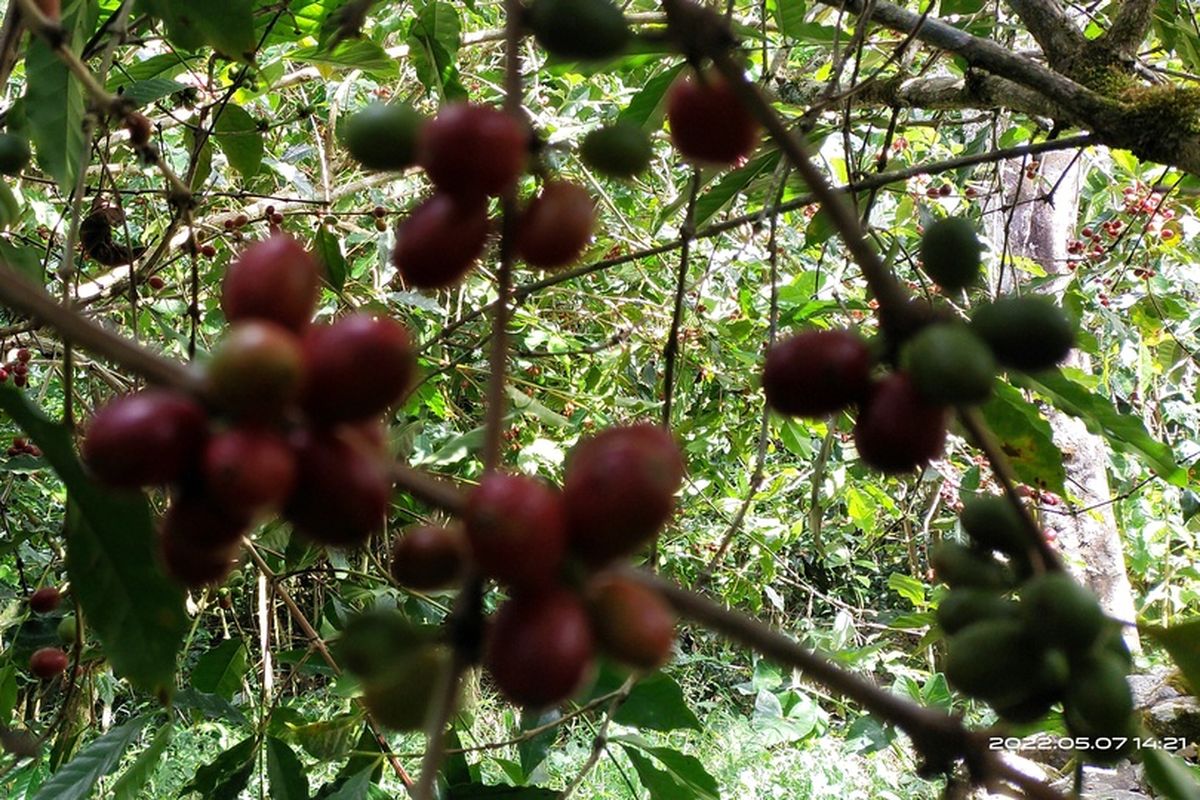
column 145, row 439
column 256, row 370
column 950, row 253
column 619, row 490
column 992, row 522
column 208, row 251
column 247, row 470
column 994, row 660
column 1028, row 333
column 816, row 373
column 957, row 566
column 383, row 136
column 20, row 380
column 1098, row 700
column 631, row 623
column 1062, row 612
column 897, row 430
column 140, row 129
column 45, row 600
column 440, row 241
column 274, row 280
column 966, row 606
column 556, row 226
column 47, row 663
column 578, row 30
column 67, row 630
column 357, row 367
column 949, row 365
column 540, row 648
column 155, row 282
column 400, row 697
column 372, row 641
column 471, row 150
column 342, row 490
column 24, row 356
column 195, row 564
column 194, row 518
column 516, row 528
column 620, row 150
column 241, row 221
column 709, row 123
column 14, row 154
column 429, row 557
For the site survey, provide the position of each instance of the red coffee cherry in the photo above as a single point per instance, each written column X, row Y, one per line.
column 631, row 623
column 145, row 439
column 709, row 123
column 540, row 648
column 274, row 280
column 515, row 525
column 440, row 241
column 357, row 367
column 897, row 431
column 140, row 129
column 555, row 227
column 473, row 150
column 429, row 556
column 195, row 564
column 45, row 600
column 619, row 490
column 817, row 373
column 194, row 518
column 24, row 356
column 342, row 489
column 256, row 370
column 247, row 470
column 155, row 282
column 48, row 662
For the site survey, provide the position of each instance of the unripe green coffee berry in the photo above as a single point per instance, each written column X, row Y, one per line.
column 992, row 522
column 966, row 606
column 958, row 565
column 1028, row 333
column 1062, row 612
column 995, row 660
column 383, row 136
column 950, row 253
column 621, row 150
column 950, row 365
column 584, row 30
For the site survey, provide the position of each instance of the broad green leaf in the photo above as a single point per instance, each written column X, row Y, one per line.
column 289, row 781
column 909, row 588
column 225, row 776
column 134, row 780
column 328, row 249
column 433, row 40
column 1170, row 775
column 1182, row 641
column 789, row 16
column 24, row 260
column 731, row 186
column 220, row 670
column 685, row 772
column 76, row 779
column 533, row 751
column 1124, row 432
column 327, row 740
column 478, row 791
column 143, row 93
column 1026, row 438
column 352, row 54
column 54, row 101
column 355, row 788
column 237, row 134
column 133, row 608
column 209, row 705
column 644, row 108
column 656, row 703
column 225, row 25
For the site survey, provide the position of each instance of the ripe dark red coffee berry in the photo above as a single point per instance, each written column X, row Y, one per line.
column 516, row 527
column 357, row 367
column 708, row 121
column 45, row 599
column 556, row 225
column 473, row 150
column 48, row 662
column 898, row 431
column 540, row 648
column 248, row 470
column 429, row 556
column 342, row 489
column 155, row 282
column 145, row 439
column 631, row 623
column 439, row 242
column 24, row 356
column 274, row 280
column 619, row 490
column 195, row 564
column 817, row 373
column 256, row 370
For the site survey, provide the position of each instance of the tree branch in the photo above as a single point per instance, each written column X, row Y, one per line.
column 1129, row 27
column 1050, row 26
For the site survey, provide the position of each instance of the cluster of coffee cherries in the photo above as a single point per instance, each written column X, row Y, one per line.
column 50, row 662
column 292, row 422
column 18, row 368
column 903, row 414
column 22, row 447
column 553, row 551
column 1023, row 642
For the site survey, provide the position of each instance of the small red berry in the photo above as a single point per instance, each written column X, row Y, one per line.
column 897, row 431
column 45, row 599
column 48, row 662
column 708, row 121
column 248, row 470
column 342, row 489
column 145, row 439
column 155, row 282
column 817, row 373
column 440, row 240
column 516, row 526
column 540, row 648
column 357, row 367
column 472, row 150
column 24, row 356
column 555, row 227
column 274, row 280
column 429, row 556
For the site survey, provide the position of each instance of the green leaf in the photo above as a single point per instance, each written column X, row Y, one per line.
column 1124, row 432
column 24, row 260
column 225, row 776
column 1170, row 775
column 433, row 40
column 288, row 779
column 909, row 588
column 133, row 608
column 54, row 101
column 225, row 25
column 1182, row 641
column 533, row 751
column 731, row 186
column 220, row 670
column 327, row 740
column 237, row 134
column 134, row 780
column 789, row 16
column 1026, row 438
column 657, row 704
column 77, row 777
column 355, row 788
column 681, row 775
column 1189, row 504
column 143, row 93
column 352, row 54
column 328, row 247
column 479, row 791
column 644, row 108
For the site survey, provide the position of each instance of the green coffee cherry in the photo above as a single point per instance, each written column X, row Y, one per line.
column 950, row 365
column 14, row 153
column 400, row 697
column 995, row 660
column 383, row 136
column 1028, row 333
column 584, row 30
column 67, row 629
column 963, row 607
column 1098, row 702
column 621, row 150
column 950, row 253
column 1062, row 612
column 958, row 565
column 992, row 522
column 372, row 642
